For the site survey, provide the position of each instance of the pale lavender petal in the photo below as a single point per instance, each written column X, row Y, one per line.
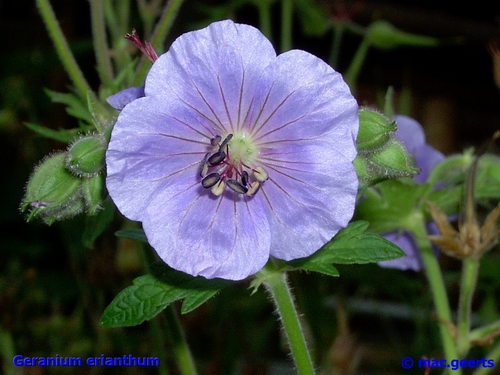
column 305, row 202
column 121, row 99
column 197, row 234
column 214, row 71
column 311, row 102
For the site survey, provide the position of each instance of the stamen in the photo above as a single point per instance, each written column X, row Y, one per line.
column 218, row 188
column 217, row 158
column 260, row 174
column 254, row 187
column 204, row 166
column 244, row 178
column 215, row 140
column 236, row 186
column 225, row 142
column 210, row 180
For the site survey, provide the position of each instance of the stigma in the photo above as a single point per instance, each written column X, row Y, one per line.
column 231, row 163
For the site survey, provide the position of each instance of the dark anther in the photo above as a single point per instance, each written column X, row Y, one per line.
column 215, row 140
column 244, row 178
column 236, row 186
column 225, row 142
column 217, row 158
column 210, row 180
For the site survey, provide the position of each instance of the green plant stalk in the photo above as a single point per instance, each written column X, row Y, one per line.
column 101, row 49
column 63, row 50
column 286, row 25
column 338, row 34
column 277, row 285
column 264, row 8
column 159, row 35
column 180, row 347
column 436, row 283
column 7, row 351
column 154, row 328
column 470, row 270
column 357, row 62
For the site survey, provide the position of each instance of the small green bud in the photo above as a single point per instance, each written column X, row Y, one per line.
column 52, row 192
column 86, row 156
column 375, row 130
column 383, row 35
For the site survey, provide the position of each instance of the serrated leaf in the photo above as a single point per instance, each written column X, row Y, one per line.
column 324, row 268
column 152, row 293
column 351, row 245
column 139, row 302
column 134, row 234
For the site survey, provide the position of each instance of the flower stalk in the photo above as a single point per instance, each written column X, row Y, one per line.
column 278, row 287
column 158, row 38
column 101, row 48
column 63, row 50
column 470, row 270
column 437, row 286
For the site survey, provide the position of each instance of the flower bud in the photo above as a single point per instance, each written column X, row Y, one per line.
column 86, row 156
column 383, row 35
column 52, row 192
column 375, row 130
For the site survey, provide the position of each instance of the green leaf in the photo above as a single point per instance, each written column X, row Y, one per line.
column 134, row 234
column 389, row 205
column 74, row 105
column 152, row 293
column 350, row 246
column 61, row 135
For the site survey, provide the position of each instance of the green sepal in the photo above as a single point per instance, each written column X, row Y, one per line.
column 384, row 35
column 351, row 245
column 86, row 156
column 375, row 130
column 93, row 193
column 52, row 192
column 152, row 293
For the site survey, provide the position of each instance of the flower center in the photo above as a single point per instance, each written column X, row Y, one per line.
column 232, row 163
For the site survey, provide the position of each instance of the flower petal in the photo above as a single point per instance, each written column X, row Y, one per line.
column 200, row 234
column 214, row 71
column 148, row 148
column 121, row 99
column 308, row 198
column 312, row 101
column 412, row 260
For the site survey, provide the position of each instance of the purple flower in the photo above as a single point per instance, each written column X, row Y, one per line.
column 122, row 98
column 412, row 135
column 235, row 154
